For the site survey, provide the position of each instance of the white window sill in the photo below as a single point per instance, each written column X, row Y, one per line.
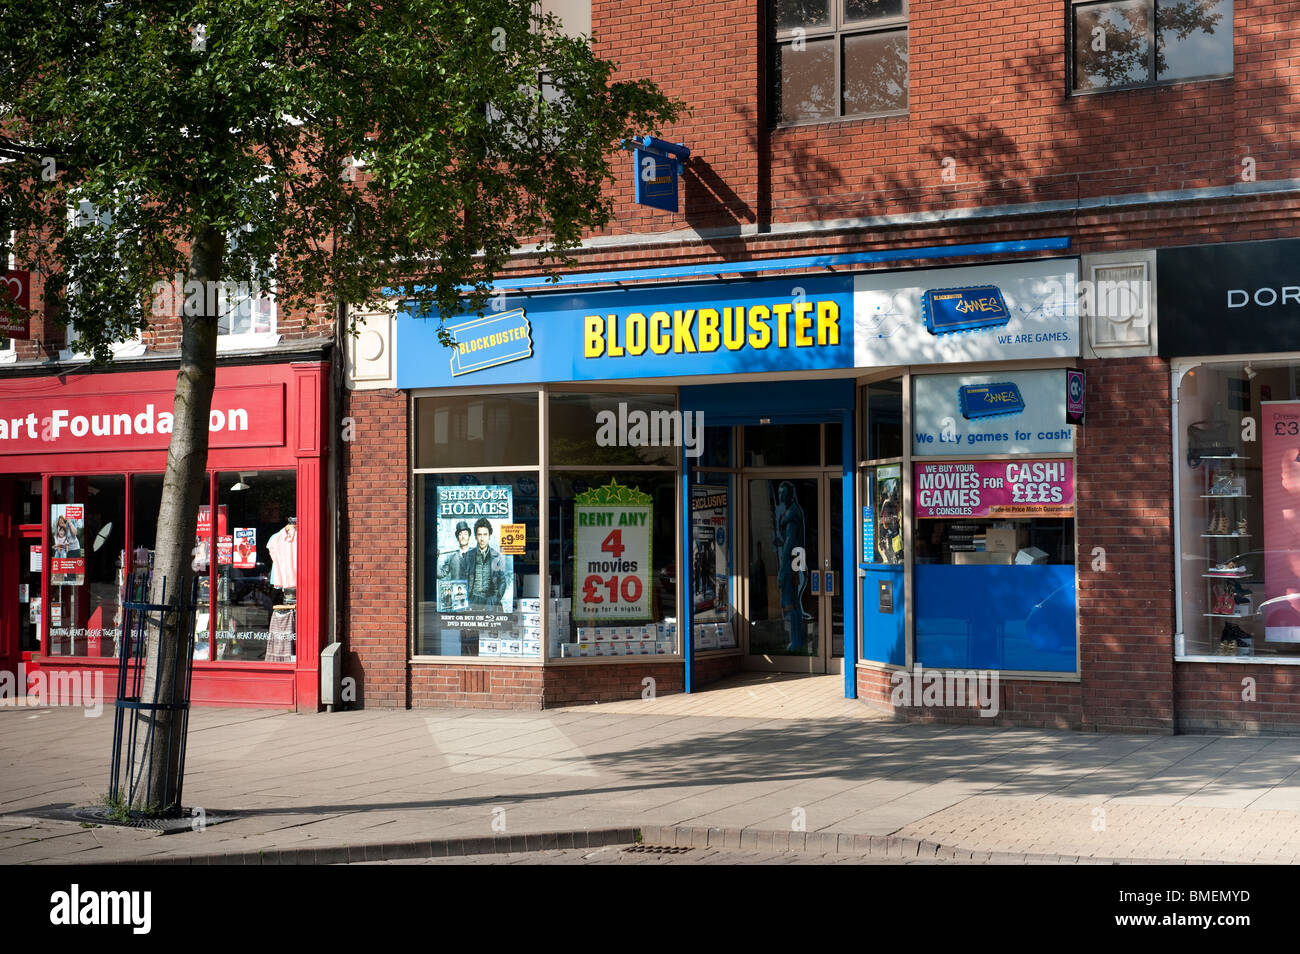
column 249, row 342
column 1243, row 660
column 127, row 349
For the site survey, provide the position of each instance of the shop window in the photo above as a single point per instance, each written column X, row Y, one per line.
column 994, row 564
column 619, row 429
column 478, row 583
column 882, row 420
column 782, row 445
column 1121, row 44
column 146, row 501
column 883, row 554
column 837, row 59
column 256, row 551
column 490, row 430
column 613, row 573
column 1239, row 510
column 86, row 542
column 718, row 448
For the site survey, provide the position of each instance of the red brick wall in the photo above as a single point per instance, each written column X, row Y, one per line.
column 48, row 336
column 373, row 575
column 1124, row 485
column 712, row 668
column 531, row 687
column 476, row 687
column 987, row 88
column 1027, row 703
column 578, row 685
column 1210, row 697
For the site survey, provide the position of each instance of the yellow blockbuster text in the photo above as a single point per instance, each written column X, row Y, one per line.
column 803, row 324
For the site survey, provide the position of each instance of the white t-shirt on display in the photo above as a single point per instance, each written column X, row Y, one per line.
column 283, row 547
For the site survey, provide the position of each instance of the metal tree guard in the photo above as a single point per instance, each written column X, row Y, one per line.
column 140, row 618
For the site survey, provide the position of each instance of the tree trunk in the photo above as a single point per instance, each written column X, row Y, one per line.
column 156, row 766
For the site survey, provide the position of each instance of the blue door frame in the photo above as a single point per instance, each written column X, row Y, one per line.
column 779, row 402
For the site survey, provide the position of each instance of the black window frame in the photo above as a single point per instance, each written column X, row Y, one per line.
column 838, row 31
column 1152, row 80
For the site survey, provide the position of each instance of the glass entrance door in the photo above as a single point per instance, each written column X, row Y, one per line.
column 793, row 599
column 29, row 593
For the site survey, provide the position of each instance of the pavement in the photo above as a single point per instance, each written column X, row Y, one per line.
column 764, row 766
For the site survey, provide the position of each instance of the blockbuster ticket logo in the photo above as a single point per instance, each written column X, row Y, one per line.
column 949, row 310
column 491, row 340
column 989, row 400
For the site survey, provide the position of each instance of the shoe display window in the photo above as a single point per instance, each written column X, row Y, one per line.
column 1238, row 470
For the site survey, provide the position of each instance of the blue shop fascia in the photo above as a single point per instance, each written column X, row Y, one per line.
column 838, row 467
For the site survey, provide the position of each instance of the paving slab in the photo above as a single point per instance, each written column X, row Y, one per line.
column 402, row 778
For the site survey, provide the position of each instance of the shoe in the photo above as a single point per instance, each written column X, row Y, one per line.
column 1241, row 527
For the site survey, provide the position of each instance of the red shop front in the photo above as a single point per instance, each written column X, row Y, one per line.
column 81, row 469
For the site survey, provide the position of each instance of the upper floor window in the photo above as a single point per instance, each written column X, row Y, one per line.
column 1121, row 44
column 246, row 308
column 97, row 238
column 8, row 347
column 836, row 59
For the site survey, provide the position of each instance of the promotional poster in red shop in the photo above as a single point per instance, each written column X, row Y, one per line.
column 1281, row 461
column 68, row 561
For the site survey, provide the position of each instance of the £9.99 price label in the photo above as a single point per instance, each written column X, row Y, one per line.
column 611, row 554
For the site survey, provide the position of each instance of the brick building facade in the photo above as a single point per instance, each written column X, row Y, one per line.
column 1012, row 127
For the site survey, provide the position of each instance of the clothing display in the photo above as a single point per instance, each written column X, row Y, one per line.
column 283, row 547
column 281, row 644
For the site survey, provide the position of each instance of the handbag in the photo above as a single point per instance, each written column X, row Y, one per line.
column 1207, row 439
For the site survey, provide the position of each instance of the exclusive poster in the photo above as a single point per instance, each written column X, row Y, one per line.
column 709, row 549
column 68, row 560
column 475, row 579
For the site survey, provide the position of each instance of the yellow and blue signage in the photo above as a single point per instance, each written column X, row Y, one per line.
column 656, row 164
column 490, row 341
column 648, row 332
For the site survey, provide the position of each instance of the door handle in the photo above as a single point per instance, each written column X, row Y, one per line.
column 816, row 583
column 830, row 582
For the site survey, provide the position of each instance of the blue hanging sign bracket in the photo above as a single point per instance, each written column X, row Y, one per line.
column 656, row 166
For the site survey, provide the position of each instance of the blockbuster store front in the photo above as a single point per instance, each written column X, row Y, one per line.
column 683, row 481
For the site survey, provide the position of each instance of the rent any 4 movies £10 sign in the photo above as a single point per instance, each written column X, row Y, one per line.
column 611, row 553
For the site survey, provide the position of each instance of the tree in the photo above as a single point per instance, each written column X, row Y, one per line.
column 348, row 145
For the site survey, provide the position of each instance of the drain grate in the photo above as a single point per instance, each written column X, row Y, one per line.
column 657, row 849
column 194, row 820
